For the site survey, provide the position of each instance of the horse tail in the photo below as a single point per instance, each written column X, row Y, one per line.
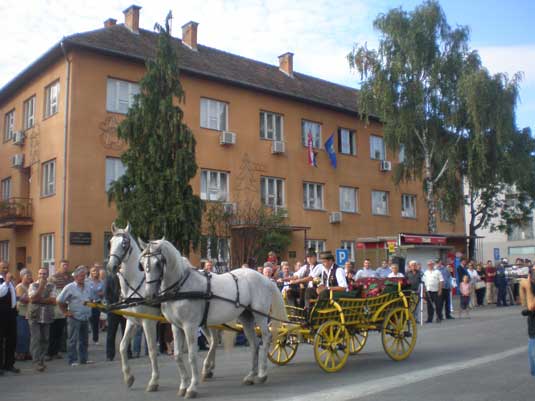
column 278, row 310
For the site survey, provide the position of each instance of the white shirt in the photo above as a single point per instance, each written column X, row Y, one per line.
column 473, row 276
column 314, row 273
column 396, row 275
column 5, row 287
column 363, row 273
column 340, row 276
column 301, row 272
column 432, row 280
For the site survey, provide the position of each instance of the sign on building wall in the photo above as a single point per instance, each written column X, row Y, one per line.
column 80, row 238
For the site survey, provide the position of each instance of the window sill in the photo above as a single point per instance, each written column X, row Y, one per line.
column 48, row 196
column 381, row 215
column 213, row 129
column 50, row 116
column 409, row 217
column 270, row 140
column 308, row 209
column 347, row 154
column 116, row 112
column 355, row 213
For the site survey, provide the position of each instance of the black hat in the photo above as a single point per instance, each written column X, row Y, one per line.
column 311, row 252
column 327, row 255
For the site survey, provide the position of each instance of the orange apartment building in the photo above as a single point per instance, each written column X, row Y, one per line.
column 60, row 150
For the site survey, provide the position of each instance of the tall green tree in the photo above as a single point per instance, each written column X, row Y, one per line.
column 154, row 194
column 411, row 83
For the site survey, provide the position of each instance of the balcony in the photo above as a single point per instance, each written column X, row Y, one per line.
column 16, row 212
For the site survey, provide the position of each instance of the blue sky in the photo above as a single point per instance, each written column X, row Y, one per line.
column 319, row 32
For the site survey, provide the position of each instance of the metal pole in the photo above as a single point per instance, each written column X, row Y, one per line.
column 421, row 304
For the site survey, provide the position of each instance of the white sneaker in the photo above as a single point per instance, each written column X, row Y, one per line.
column 74, row 364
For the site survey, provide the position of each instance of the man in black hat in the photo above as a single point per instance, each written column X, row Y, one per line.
column 302, row 280
column 332, row 277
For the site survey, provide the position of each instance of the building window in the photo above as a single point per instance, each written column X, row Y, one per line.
column 348, row 199
column 217, row 250
column 51, row 99
column 408, row 205
column 107, row 237
column 521, row 250
column 48, row 178
column 521, row 232
column 214, row 114
column 4, row 251
column 214, row 185
column 114, row 170
column 6, row 189
column 9, row 125
column 347, row 143
column 445, row 215
column 350, row 246
column 312, row 195
column 29, row 113
column 271, row 126
column 120, row 95
column 47, row 251
column 401, row 154
column 272, row 191
column 380, row 203
column 317, row 244
column 377, row 148
column 314, row 129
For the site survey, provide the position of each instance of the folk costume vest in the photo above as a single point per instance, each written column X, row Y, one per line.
column 330, row 280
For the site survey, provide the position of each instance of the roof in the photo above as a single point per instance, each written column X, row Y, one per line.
column 207, row 62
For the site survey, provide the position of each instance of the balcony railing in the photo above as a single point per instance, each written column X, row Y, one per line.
column 16, row 212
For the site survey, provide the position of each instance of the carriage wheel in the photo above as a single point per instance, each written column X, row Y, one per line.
column 331, row 346
column 283, row 348
column 399, row 334
column 357, row 340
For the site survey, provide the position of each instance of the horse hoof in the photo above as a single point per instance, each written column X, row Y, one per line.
column 248, row 381
column 130, row 381
column 191, row 394
column 151, row 388
column 262, row 379
column 181, row 392
column 207, row 375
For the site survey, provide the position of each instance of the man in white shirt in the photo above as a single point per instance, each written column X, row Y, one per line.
column 366, row 270
column 8, row 320
column 332, row 277
column 303, row 278
column 433, row 282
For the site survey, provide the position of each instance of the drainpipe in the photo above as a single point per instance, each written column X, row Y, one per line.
column 65, row 136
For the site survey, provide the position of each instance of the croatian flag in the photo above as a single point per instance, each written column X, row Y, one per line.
column 311, row 153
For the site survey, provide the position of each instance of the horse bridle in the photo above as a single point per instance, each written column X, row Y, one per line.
column 127, row 247
column 160, row 259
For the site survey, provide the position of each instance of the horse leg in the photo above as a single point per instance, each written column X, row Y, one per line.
column 190, row 333
column 209, row 361
column 178, row 339
column 149, row 328
column 264, row 347
column 123, row 351
column 247, row 322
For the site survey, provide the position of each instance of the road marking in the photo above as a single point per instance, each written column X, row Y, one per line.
column 359, row 390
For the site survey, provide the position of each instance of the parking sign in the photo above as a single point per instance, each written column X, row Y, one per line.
column 496, row 253
column 342, row 256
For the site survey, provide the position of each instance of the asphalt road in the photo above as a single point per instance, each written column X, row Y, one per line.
column 484, row 358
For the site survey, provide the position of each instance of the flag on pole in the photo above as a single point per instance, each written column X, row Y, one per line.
column 329, row 148
column 311, row 153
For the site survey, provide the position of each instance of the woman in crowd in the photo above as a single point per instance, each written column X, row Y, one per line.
column 22, row 351
column 474, row 277
column 481, row 285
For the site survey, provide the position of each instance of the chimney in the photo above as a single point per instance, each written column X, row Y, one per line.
column 189, row 35
column 286, row 63
column 110, row 22
column 131, row 18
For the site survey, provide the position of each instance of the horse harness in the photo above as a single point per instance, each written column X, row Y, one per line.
column 127, row 246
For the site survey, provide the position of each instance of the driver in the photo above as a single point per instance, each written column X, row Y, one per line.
column 332, row 277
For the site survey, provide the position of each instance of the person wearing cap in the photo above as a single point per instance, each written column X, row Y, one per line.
column 433, row 282
column 332, row 276
column 72, row 301
column 304, row 279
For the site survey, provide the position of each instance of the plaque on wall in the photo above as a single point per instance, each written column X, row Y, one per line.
column 80, row 238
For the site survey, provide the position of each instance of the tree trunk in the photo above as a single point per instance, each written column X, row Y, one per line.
column 430, row 196
column 472, row 231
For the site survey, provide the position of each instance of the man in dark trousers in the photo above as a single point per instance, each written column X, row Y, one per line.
column 112, row 291
column 8, row 320
column 500, row 281
column 58, row 328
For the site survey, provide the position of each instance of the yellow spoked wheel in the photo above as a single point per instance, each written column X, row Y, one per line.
column 357, row 340
column 399, row 334
column 331, row 346
column 283, row 348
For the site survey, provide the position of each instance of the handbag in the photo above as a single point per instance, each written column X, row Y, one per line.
column 480, row 284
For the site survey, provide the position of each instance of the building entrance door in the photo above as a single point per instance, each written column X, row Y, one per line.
column 20, row 257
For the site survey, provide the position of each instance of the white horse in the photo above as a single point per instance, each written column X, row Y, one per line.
column 250, row 297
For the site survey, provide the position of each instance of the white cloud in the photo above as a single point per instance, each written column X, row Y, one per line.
column 510, row 59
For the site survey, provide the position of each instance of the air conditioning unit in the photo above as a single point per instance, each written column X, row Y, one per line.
column 277, row 147
column 229, row 208
column 386, row 165
column 18, row 138
column 335, row 217
column 227, row 138
column 17, row 160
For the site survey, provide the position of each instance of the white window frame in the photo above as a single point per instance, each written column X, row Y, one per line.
column 275, row 133
column 401, row 153
column 115, row 169
column 317, row 189
column 408, row 210
column 317, row 244
column 350, row 246
column 9, row 125
column 217, row 193
column 521, row 250
column 375, row 210
column 4, row 251
column 223, row 252
column 341, row 191
column 351, row 140
column 48, row 178
column 52, row 99
column 120, row 95
column 47, row 251
column 29, row 113
column 315, row 130
column 271, row 199
column 377, row 148
column 209, row 121
column 5, row 185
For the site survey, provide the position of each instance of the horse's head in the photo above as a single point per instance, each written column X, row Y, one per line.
column 153, row 263
column 120, row 248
